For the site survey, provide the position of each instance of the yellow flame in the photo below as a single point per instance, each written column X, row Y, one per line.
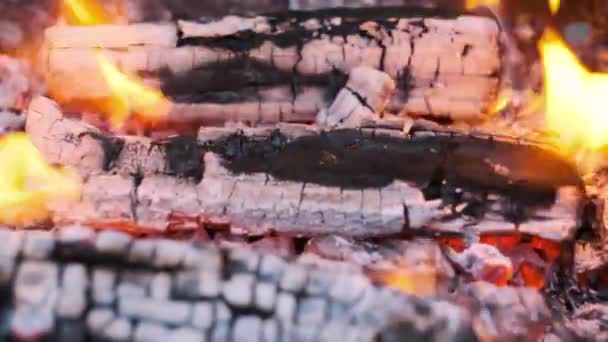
column 471, row 4
column 576, row 99
column 554, row 6
column 129, row 95
column 80, row 12
column 28, row 184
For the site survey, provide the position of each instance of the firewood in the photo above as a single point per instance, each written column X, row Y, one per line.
column 300, row 180
column 443, row 64
column 77, row 284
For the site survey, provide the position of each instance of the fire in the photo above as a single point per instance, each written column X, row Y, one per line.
column 471, row 4
column 128, row 94
column 79, row 12
column 575, row 98
column 422, row 284
column 28, row 185
column 554, row 6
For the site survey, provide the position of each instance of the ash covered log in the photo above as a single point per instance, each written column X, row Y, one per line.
column 296, row 179
column 389, row 260
column 505, row 313
column 445, row 64
column 74, row 284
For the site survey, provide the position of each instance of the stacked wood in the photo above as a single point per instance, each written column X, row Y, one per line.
column 296, row 179
column 288, row 67
column 75, row 284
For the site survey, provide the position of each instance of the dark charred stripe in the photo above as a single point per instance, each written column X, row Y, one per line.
column 296, row 35
column 457, row 170
column 240, row 80
column 184, row 157
column 112, row 147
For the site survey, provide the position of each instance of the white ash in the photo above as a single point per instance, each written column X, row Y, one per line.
column 365, row 95
column 484, row 262
column 14, row 82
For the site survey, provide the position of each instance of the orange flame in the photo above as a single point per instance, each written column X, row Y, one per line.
column 575, row 98
column 471, row 4
column 128, row 94
column 78, row 12
column 28, row 185
column 554, row 6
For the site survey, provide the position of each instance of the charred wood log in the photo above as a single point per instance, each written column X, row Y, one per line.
column 444, row 64
column 74, row 284
column 296, row 179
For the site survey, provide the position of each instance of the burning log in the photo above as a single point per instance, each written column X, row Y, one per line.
column 73, row 283
column 298, row 180
column 291, row 65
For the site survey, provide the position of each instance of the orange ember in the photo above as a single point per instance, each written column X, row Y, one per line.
column 532, row 276
column 456, row 243
column 502, row 242
column 29, row 186
column 406, row 281
column 550, row 250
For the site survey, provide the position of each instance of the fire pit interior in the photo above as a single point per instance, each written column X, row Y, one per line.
column 303, row 170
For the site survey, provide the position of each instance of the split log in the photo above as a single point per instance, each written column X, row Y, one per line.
column 445, row 64
column 74, row 284
column 299, row 180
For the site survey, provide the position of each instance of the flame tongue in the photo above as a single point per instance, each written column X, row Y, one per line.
column 78, row 12
column 128, row 95
column 28, row 185
column 575, row 98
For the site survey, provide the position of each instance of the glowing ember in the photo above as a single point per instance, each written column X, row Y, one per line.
column 129, row 95
column 28, row 185
column 532, row 276
column 415, row 283
column 554, row 6
column 575, row 98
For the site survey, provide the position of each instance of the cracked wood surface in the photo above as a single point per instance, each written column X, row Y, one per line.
column 76, row 284
column 444, row 64
column 298, row 180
